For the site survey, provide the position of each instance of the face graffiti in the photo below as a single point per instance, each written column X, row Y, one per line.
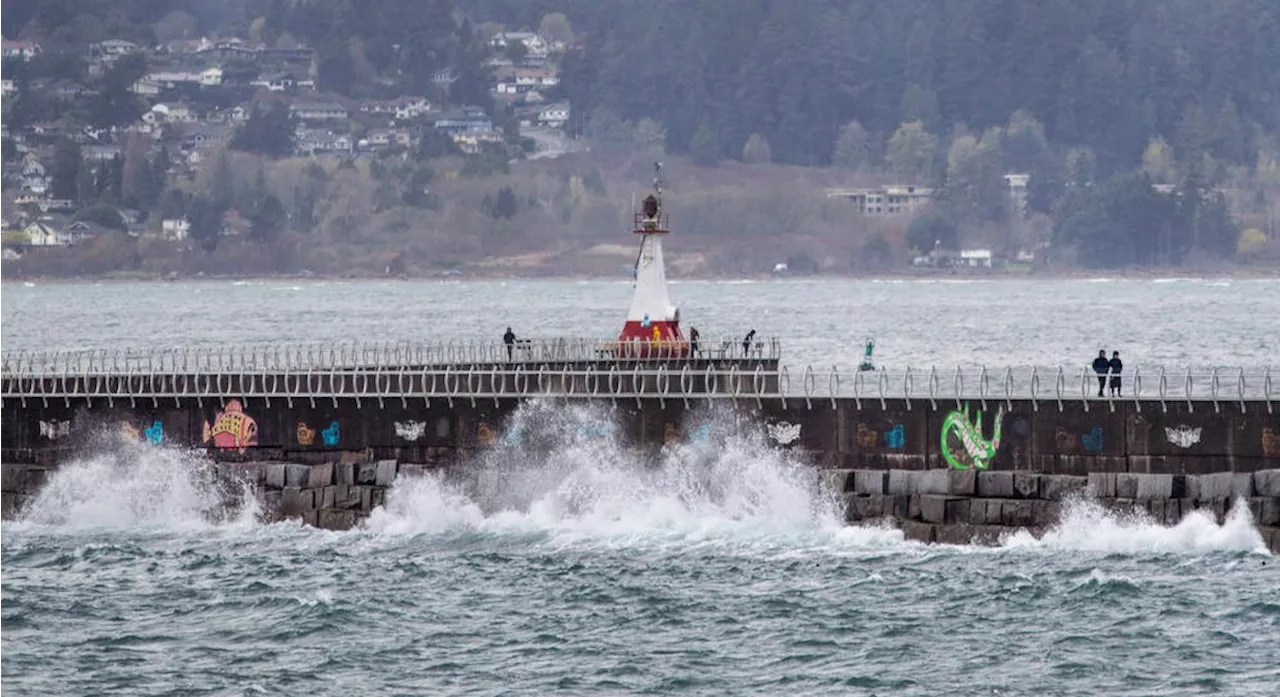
column 232, row 428
column 963, row 446
column 305, row 434
column 1270, row 443
column 53, row 430
column 410, row 430
column 1183, row 436
column 784, row 433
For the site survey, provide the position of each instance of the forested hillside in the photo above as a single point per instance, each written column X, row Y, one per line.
column 1204, row 75
column 1145, row 132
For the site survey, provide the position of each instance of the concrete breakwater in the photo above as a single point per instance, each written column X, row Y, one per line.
column 964, row 507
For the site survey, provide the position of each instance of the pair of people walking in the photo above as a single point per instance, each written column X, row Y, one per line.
column 1108, row 368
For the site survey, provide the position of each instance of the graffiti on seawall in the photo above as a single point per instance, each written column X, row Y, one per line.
column 1183, row 436
column 1270, row 443
column 305, row 434
column 331, row 435
column 963, row 446
column 232, row 428
column 784, row 432
column 411, row 430
column 53, row 430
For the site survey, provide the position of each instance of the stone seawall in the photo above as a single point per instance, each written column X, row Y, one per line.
column 938, row 505
column 963, row 507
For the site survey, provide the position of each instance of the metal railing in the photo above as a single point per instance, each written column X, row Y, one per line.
column 682, row 380
column 369, row 355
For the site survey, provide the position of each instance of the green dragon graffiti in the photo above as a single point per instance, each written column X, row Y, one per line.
column 962, row 443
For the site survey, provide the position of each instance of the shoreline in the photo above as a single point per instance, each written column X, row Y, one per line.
column 1143, row 274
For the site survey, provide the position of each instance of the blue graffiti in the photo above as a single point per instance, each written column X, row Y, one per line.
column 1092, row 441
column 645, row 322
column 595, row 431
column 701, row 434
column 514, row 436
column 895, row 437
column 155, row 433
column 331, row 434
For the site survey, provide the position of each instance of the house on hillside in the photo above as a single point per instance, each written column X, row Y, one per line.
column 534, row 43
column 554, row 115
column 175, row 229
column 234, row 224
column 283, row 82
column 885, row 200
column 206, row 135
column 469, row 119
column 314, row 141
column 58, row 231
column 20, row 50
column 100, row 153
column 35, row 179
column 523, row 80
column 318, row 111
column 113, row 48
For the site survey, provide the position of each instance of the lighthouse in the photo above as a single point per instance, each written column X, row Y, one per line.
column 652, row 328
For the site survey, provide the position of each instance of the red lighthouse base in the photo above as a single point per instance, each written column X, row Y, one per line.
column 656, row 340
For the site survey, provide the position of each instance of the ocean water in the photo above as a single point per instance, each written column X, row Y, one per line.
column 571, row 565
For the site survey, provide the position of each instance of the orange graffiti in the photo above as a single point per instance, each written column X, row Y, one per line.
column 866, row 437
column 130, row 433
column 1270, row 443
column 1065, row 440
column 484, row 434
column 232, row 428
column 670, row 435
column 306, row 435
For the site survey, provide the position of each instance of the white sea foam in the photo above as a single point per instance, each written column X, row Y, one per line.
column 137, row 486
column 564, row 471
column 1087, row 526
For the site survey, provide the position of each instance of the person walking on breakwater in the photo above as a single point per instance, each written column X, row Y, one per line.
column 693, row 342
column 746, row 343
column 1116, row 365
column 510, row 340
column 1101, row 366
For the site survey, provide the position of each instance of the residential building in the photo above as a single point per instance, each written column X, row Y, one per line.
column 554, row 115
column 169, row 113
column 206, row 135
column 975, row 257
column 22, row 50
column 534, row 43
column 35, row 179
column 283, row 82
column 885, row 200
column 522, row 80
column 114, row 48
column 7, row 86
column 234, row 224
column 318, row 111
column 175, row 229
column 469, row 119
column 1017, row 183
column 95, row 152
column 313, row 141
column 472, row 142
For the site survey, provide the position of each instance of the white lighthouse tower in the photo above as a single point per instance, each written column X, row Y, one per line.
column 652, row 328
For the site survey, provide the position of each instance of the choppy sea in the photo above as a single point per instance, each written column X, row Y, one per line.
column 577, row 567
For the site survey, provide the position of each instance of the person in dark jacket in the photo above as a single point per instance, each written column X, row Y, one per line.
column 510, row 340
column 693, row 342
column 1101, row 366
column 746, row 343
column 1115, row 366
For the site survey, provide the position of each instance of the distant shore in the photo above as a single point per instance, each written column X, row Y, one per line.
column 1238, row 273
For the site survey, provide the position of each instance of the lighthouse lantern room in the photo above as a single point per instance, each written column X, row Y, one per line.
column 652, row 328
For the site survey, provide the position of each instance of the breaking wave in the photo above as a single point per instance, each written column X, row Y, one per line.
column 138, row 486
column 566, row 471
column 1087, row 526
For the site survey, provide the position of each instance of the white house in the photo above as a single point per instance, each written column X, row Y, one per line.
column 975, row 257
column 554, row 116
column 211, row 77
column 114, row 48
column 24, row 50
column 885, row 200
column 175, row 229
column 534, row 43
column 523, row 80
column 318, row 111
